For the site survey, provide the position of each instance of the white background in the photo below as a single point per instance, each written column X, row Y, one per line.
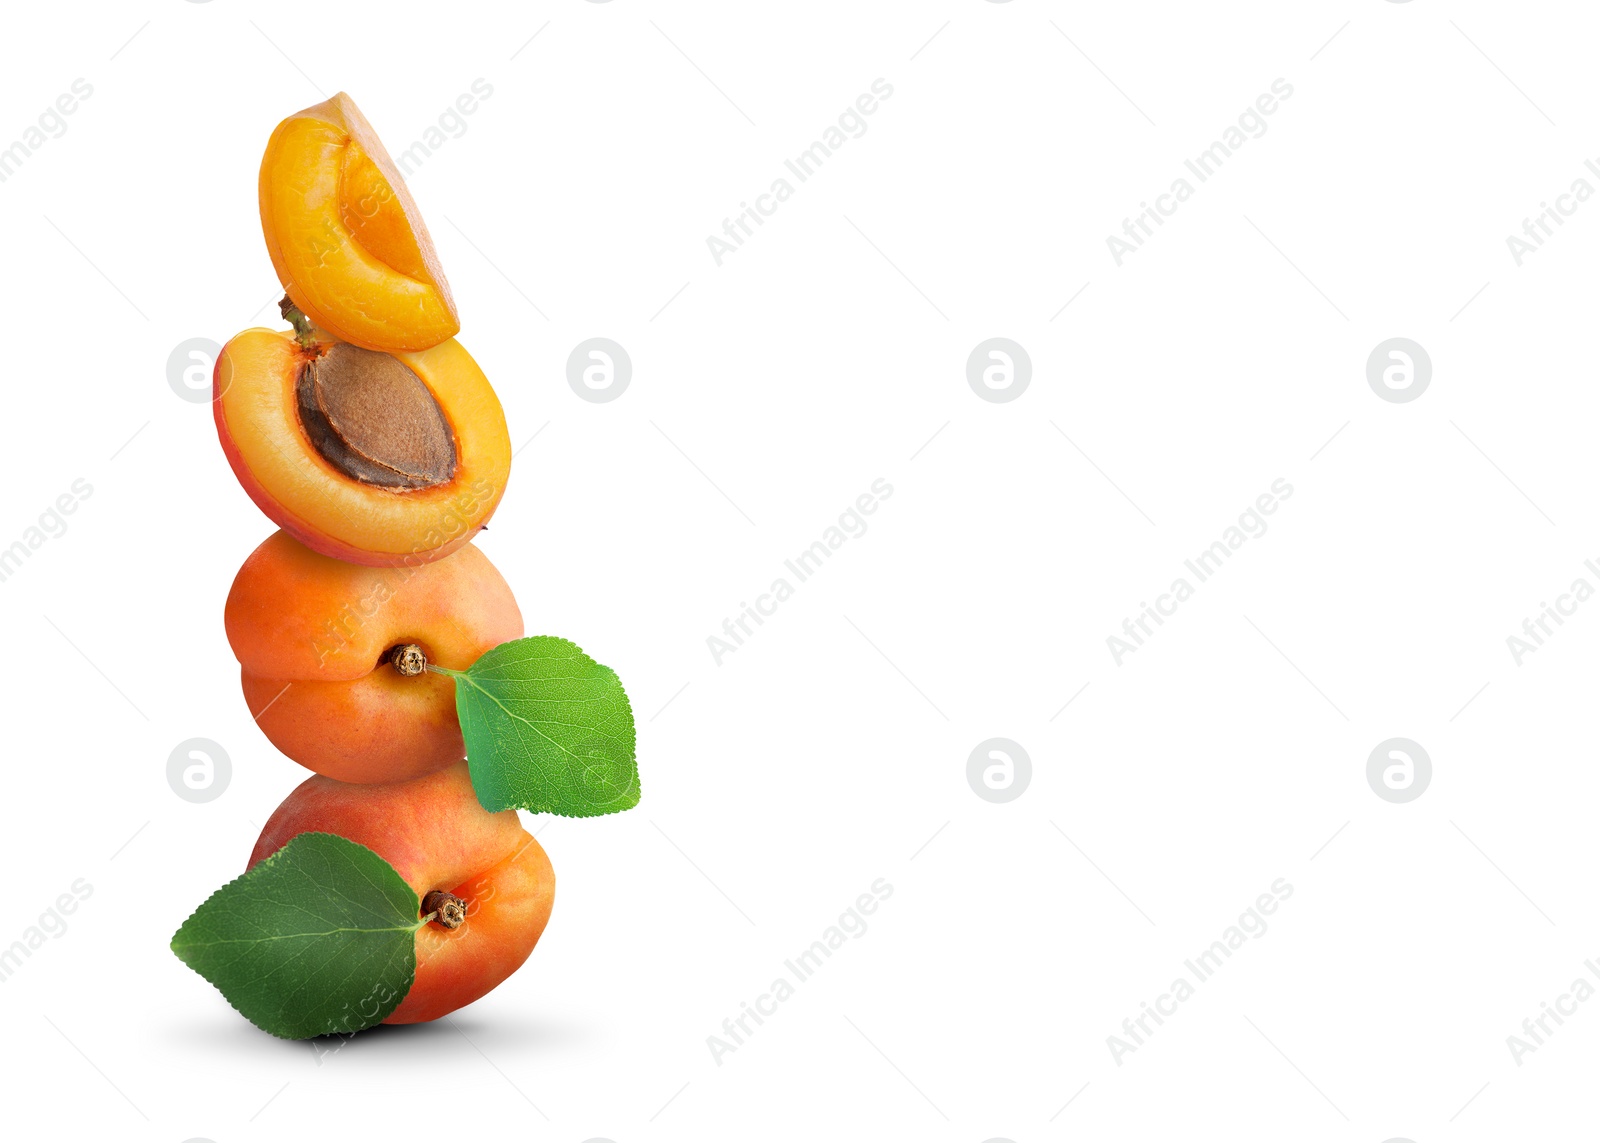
column 831, row 750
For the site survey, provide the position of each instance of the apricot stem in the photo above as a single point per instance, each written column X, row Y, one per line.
column 302, row 324
column 444, row 909
column 408, row 660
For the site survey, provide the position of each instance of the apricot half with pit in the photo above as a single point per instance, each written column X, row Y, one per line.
column 333, row 656
column 487, row 879
column 345, row 235
column 370, row 457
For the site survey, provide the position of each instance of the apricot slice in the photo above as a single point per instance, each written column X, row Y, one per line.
column 315, row 638
column 345, row 236
column 370, row 457
column 440, row 840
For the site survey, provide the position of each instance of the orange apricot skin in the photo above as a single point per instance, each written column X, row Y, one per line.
column 311, row 632
column 255, row 408
column 437, row 836
column 345, row 236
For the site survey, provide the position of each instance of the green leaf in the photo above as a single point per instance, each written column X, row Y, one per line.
column 548, row 730
column 317, row 938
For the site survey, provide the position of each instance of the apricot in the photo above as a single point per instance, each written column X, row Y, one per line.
column 330, row 655
column 345, row 236
column 369, row 457
column 444, row 845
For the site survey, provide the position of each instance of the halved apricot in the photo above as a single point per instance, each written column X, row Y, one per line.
column 345, row 236
column 375, row 458
column 316, row 640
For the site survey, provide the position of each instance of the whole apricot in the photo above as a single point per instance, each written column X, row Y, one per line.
column 488, row 881
column 332, row 655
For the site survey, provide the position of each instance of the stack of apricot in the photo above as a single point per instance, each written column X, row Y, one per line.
column 369, row 435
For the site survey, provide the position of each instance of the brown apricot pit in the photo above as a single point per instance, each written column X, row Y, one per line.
column 374, row 420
